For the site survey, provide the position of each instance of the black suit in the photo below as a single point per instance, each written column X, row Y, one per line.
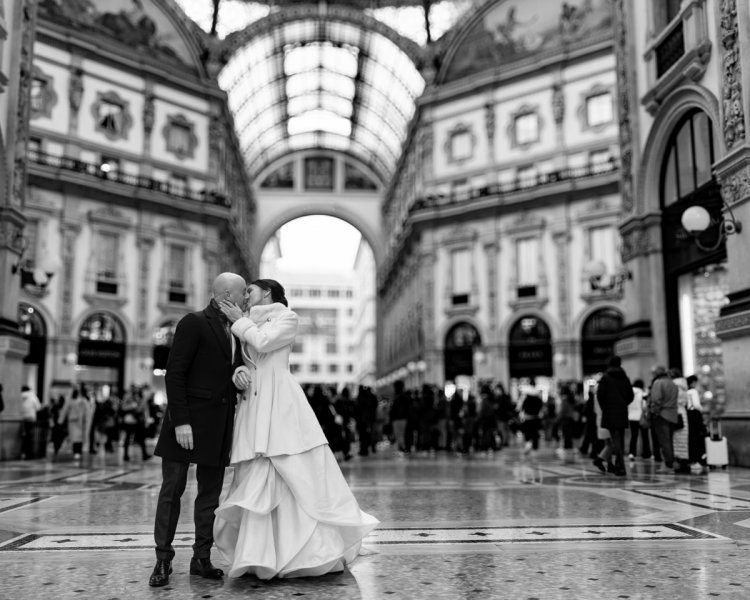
column 200, row 393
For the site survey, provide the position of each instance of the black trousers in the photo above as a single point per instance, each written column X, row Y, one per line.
column 174, row 479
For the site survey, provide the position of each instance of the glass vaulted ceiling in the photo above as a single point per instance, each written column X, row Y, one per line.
column 321, row 83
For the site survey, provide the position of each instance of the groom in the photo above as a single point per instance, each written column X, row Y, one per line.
column 197, row 426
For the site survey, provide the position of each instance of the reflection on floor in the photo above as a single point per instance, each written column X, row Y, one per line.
column 499, row 526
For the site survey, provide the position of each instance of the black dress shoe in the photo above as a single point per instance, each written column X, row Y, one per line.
column 162, row 571
column 599, row 464
column 204, row 568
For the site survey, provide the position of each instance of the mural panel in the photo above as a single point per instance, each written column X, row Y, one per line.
column 518, row 29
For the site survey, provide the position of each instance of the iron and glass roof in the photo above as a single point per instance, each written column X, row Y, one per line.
column 321, row 82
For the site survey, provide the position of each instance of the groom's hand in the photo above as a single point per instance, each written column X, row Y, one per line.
column 184, row 435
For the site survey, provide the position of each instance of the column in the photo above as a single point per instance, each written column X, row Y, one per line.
column 16, row 44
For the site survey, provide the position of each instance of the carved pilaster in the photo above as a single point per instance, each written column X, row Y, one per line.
column 558, row 104
column 561, row 240
column 733, row 173
column 490, row 250
column 733, row 113
column 624, row 91
column 428, row 261
column 145, row 246
column 70, row 232
column 27, row 27
column 489, row 125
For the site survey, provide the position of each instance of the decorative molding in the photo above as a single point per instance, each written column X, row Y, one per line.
column 121, row 123
column 561, row 240
column 75, row 89
column 47, row 95
column 148, row 113
column 623, row 104
column 558, row 104
column 27, row 11
column 639, row 241
column 733, row 112
column 522, row 111
column 180, row 121
column 597, row 89
column 734, row 325
column 489, row 122
column 460, row 129
column 108, row 215
column 179, row 230
column 735, row 184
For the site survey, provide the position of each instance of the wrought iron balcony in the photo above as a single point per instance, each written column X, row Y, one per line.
column 179, row 190
column 670, row 49
column 540, row 180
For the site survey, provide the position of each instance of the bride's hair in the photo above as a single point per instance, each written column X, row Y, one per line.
column 277, row 290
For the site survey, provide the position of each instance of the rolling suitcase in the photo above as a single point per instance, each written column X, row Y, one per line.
column 717, row 451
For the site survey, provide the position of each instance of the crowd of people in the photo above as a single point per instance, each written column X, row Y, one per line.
column 85, row 421
column 609, row 421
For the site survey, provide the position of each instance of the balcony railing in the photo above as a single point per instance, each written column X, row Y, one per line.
column 75, row 165
column 518, row 185
column 670, row 49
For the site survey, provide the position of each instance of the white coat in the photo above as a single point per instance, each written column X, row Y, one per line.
column 274, row 417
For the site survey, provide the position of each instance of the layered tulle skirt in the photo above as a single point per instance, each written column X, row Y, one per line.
column 289, row 516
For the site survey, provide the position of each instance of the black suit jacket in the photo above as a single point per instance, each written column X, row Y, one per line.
column 200, row 391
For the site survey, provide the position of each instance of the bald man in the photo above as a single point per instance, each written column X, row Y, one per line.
column 197, row 426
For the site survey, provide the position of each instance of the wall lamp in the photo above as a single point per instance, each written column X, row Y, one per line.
column 697, row 219
column 606, row 282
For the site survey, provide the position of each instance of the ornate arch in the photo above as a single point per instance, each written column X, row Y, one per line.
column 553, row 324
column 669, row 115
column 351, row 216
column 127, row 325
column 451, row 322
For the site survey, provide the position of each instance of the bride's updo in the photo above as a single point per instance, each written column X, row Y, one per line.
column 277, row 290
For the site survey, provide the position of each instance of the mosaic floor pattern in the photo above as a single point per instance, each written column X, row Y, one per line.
column 495, row 526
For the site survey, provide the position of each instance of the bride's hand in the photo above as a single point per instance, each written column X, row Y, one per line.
column 230, row 310
column 241, row 380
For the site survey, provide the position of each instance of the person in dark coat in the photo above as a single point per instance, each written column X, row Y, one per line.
column 613, row 394
column 197, row 426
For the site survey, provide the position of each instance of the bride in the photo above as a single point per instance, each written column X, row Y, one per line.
column 289, row 511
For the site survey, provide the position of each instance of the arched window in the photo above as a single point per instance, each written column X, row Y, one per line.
column 460, row 343
column 102, row 327
column 599, row 333
column 689, row 156
column 530, row 348
column 30, row 322
column 162, row 338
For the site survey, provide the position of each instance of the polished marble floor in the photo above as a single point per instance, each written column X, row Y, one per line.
column 499, row 526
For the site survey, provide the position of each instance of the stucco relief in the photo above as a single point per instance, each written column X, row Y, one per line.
column 75, row 89
column 638, row 242
column 732, row 108
column 623, row 91
column 736, row 185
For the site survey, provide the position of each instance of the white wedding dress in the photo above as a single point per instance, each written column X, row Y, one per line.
column 288, row 511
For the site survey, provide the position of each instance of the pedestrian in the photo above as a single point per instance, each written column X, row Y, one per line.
column 635, row 412
column 531, row 421
column 680, row 436
column 614, row 393
column 76, row 412
column 133, row 415
column 696, row 428
column 662, row 407
column 399, row 415
column 30, row 406
column 365, row 414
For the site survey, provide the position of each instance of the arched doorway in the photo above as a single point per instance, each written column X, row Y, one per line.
column 599, row 333
column 34, row 330
column 695, row 274
column 101, row 353
column 530, row 349
column 460, row 343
